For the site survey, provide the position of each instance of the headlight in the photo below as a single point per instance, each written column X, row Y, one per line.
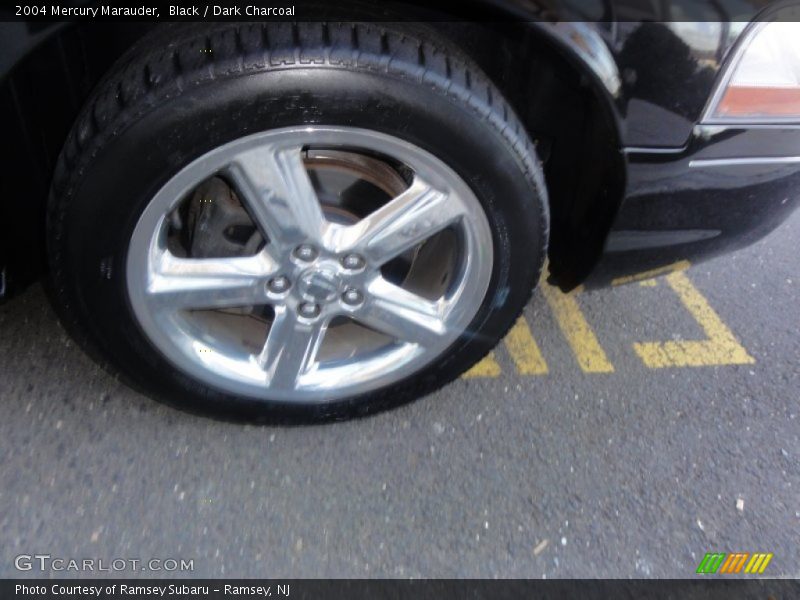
column 762, row 81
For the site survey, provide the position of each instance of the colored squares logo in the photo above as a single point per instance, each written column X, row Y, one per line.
column 735, row 562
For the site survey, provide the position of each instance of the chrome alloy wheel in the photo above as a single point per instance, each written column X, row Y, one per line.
column 330, row 295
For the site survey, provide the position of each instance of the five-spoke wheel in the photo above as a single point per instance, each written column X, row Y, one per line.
column 315, row 270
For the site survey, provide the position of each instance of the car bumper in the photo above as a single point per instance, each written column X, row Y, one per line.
column 727, row 189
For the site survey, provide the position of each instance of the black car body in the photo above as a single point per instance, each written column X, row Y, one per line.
column 658, row 180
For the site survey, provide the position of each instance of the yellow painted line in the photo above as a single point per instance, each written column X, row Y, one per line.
column 488, row 367
column 678, row 266
column 720, row 348
column 648, row 283
column 579, row 335
column 524, row 350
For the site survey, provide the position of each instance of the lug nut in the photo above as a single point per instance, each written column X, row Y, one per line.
column 352, row 297
column 352, row 262
column 308, row 310
column 278, row 285
column 305, row 252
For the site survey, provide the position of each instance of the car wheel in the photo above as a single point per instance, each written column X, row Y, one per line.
column 294, row 222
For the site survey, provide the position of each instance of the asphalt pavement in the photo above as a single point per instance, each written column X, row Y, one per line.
column 624, row 432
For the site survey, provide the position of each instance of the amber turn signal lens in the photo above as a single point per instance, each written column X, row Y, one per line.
column 750, row 101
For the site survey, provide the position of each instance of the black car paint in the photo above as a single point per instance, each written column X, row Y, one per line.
column 653, row 78
column 728, row 188
column 692, row 191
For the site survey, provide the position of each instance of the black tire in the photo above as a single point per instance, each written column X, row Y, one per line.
column 185, row 90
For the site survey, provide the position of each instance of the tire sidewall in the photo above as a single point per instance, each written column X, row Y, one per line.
column 127, row 166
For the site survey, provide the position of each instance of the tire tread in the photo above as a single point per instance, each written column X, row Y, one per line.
column 178, row 57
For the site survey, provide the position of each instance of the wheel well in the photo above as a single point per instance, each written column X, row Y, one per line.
column 576, row 137
column 575, row 134
column 40, row 98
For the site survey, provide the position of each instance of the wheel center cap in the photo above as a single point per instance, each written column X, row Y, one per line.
column 319, row 285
